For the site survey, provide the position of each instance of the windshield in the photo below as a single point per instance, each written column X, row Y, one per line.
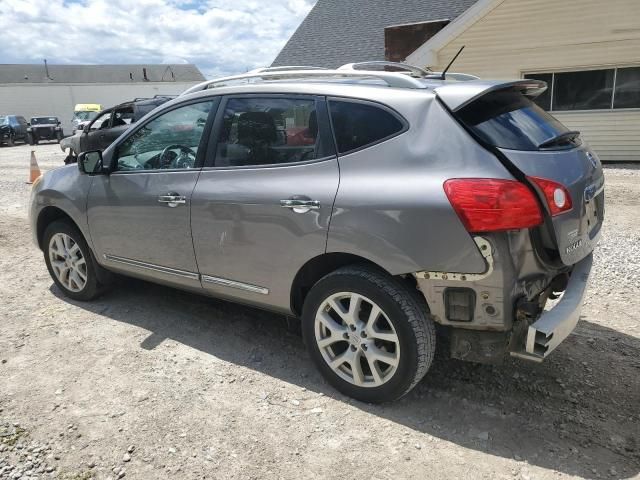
column 4, row 120
column 44, row 120
column 508, row 119
column 82, row 116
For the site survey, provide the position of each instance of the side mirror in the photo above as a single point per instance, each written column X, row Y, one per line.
column 90, row 163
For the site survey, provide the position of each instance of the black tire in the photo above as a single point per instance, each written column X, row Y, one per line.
column 11, row 141
column 58, row 137
column 29, row 139
column 405, row 309
column 92, row 288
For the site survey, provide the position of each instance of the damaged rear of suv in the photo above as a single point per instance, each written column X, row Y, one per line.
column 536, row 231
column 373, row 206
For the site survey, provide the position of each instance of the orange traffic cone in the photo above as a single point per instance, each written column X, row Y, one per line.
column 34, row 170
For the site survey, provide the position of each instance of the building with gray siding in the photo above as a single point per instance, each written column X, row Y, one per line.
column 38, row 90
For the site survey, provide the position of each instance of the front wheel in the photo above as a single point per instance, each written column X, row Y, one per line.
column 368, row 333
column 69, row 261
column 11, row 141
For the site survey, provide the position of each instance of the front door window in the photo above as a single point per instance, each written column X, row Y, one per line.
column 170, row 141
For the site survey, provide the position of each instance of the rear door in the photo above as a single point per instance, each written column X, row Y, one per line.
column 262, row 205
column 539, row 146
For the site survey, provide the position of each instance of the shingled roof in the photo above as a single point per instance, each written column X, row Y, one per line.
column 336, row 32
column 36, row 73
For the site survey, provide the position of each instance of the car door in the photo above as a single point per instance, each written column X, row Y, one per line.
column 139, row 214
column 262, row 205
column 120, row 121
column 92, row 139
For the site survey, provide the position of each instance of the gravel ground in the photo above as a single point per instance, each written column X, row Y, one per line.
column 150, row 383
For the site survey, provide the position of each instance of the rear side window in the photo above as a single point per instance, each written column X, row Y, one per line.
column 508, row 119
column 357, row 125
column 268, row 131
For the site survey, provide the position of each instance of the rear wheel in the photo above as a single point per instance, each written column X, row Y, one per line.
column 70, row 262
column 368, row 333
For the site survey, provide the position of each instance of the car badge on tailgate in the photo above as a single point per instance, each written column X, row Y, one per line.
column 574, row 246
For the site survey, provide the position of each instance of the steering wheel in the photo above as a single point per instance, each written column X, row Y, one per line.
column 186, row 158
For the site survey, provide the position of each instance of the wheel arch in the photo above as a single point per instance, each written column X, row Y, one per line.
column 48, row 215
column 322, row 265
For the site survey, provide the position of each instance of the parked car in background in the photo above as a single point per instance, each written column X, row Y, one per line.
column 83, row 113
column 44, row 128
column 12, row 128
column 460, row 204
column 108, row 125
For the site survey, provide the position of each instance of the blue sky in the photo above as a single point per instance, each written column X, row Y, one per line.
column 220, row 36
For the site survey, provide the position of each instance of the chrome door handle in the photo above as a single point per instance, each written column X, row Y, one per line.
column 172, row 199
column 300, row 206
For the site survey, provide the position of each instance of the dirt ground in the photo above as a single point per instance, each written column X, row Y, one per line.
column 150, row 383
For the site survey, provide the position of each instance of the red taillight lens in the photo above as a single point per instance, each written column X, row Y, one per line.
column 490, row 205
column 557, row 196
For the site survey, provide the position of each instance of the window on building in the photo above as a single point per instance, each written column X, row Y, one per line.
column 589, row 90
column 357, row 125
column 627, row 92
column 604, row 89
column 544, row 100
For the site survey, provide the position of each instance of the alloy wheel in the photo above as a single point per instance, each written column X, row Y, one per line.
column 68, row 262
column 357, row 340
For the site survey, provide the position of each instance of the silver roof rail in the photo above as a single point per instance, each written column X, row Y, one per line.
column 392, row 79
column 284, row 68
column 417, row 71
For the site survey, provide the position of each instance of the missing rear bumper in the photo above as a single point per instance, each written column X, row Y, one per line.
column 553, row 326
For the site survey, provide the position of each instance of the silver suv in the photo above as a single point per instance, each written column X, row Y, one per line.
column 378, row 207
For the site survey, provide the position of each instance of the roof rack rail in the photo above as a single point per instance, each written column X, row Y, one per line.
column 286, row 68
column 392, row 79
column 415, row 71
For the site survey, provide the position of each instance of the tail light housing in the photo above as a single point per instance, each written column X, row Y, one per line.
column 492, row 205
column 557, row 196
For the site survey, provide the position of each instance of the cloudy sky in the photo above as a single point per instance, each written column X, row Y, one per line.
column 219, row 36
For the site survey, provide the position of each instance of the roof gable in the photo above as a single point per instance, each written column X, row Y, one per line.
column 336, row 32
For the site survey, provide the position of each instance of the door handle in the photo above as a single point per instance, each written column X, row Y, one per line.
column 300, row 205
column 172, row 199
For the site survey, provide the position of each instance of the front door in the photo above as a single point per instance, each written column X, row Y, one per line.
column 139, row 215
column 93, row 138
column 261, row 208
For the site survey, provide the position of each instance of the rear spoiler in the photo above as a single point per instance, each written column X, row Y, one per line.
column 458, row 95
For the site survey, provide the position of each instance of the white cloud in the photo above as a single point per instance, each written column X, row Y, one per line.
column 220, row 36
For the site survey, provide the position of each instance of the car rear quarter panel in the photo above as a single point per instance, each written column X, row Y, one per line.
column 391, row 207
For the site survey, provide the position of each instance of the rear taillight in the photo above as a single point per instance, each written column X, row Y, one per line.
column 557, row 196
column 490, row 205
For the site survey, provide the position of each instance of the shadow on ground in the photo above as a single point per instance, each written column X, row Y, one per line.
column 577, row 413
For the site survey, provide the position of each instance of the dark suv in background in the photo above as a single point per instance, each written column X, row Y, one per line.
column 109, row 125
column 12, row 128
column 44, row 128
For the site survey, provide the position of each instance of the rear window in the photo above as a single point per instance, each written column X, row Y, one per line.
column 357, row 125
column 508, row 119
